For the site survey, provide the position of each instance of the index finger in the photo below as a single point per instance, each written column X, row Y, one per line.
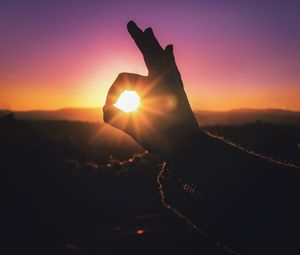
column 125, row 81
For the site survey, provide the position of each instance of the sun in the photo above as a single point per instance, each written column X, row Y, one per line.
column 128, row 101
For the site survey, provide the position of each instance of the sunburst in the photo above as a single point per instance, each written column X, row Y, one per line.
column 128, row 101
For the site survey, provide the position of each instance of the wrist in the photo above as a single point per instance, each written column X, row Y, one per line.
column 191, row 148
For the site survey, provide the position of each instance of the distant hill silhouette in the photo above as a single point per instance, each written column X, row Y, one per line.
column 245, row 116
column 206, row 118
column 80, row 114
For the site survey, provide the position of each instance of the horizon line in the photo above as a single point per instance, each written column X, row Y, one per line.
column 194, row 110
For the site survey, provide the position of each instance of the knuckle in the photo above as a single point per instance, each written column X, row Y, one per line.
column 122, row 75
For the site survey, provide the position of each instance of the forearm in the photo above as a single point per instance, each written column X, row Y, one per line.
column 220, row 167
column 236, row 192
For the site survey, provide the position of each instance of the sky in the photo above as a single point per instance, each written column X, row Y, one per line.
column 231, row 54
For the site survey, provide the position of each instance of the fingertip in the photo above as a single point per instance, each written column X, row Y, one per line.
column 169, row 48
column 106, row 113
column 110, row 112
column 130, row 24
column 149, row 30
column 169, row 52
column 118, row 119
column 132, row 27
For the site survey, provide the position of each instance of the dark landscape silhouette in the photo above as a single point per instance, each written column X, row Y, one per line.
column 70, row 188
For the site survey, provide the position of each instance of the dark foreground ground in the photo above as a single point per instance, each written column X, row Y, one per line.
column 84, row 188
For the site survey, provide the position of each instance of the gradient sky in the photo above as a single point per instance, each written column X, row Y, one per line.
column 232, row 54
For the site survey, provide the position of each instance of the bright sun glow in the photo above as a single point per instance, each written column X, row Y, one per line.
column 128, row 101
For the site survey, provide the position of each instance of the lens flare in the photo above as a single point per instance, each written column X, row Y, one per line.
column 128, row 101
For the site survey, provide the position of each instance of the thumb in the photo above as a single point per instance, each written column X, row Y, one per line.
column 118, row 119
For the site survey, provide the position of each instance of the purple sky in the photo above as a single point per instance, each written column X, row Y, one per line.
column 232, row 54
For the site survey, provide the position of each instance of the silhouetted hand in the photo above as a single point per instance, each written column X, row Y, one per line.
column 246, row 202
column 164, row 120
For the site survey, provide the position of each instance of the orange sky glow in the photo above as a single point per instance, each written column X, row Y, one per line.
column 61, row 55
